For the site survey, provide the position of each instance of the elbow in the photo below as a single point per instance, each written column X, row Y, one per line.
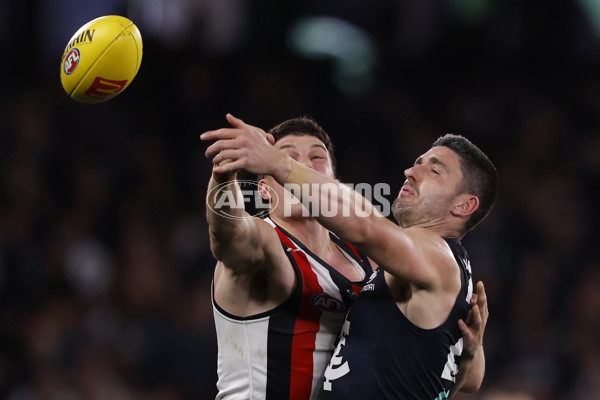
column 229, row 247
column 216, row 248
column 473, row 383
column 359, row 237
column 361, row 233
column 219, row 244
column 471, row 387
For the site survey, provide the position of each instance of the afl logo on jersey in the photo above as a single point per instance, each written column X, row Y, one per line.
column 71, row 61
column 325, row 302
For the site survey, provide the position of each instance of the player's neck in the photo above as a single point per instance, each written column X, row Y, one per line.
column 442, row 230
column 306, row 230
column 441, row 226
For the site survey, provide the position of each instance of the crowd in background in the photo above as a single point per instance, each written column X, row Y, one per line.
column 105, row 267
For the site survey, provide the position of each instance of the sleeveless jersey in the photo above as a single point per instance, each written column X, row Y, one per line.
column 382, row 355
column 282, row 353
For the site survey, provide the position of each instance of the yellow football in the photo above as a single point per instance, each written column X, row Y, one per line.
column 101, row 59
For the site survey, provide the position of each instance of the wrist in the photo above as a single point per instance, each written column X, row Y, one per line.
column 226, row 177
column 469, row 355
column 283, row 168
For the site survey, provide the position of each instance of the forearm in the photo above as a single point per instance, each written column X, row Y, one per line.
column 470, row 376
column 225, row 209
column 475, row 378
column 336, row 206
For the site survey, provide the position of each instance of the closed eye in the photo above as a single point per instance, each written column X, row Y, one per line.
column 291, row 151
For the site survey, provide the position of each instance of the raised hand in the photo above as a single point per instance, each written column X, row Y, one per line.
column 244, row 146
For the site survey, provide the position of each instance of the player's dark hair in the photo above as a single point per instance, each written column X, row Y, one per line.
column 304, row 126
column 479, row 175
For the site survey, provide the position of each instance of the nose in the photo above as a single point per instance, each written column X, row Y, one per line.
column 305, row 160
column 410, row 173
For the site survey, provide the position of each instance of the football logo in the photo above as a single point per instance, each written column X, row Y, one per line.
column 71, row 61
column 105, row 88
column 326, row 302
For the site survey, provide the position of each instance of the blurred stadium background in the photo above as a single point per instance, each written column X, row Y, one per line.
column 104, row 261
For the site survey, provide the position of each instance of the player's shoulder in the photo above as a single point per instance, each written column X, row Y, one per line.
column 267, row 229
column 426, row 239
column 434, row 248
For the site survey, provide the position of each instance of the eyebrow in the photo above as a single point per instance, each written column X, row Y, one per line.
column 287, row 146
column 432, row 160
column 319, row 146
column 313, row 146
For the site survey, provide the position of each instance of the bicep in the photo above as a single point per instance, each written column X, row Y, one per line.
column 398, row 251
column 246, row 248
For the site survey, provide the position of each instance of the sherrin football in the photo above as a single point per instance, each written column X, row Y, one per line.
column 101, row 59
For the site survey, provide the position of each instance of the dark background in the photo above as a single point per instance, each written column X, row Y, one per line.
column 104, row 261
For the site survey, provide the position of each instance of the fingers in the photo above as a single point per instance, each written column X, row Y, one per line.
column 238, row 127
column 230, row 154
column 476, row 320
column 481, row 296
column 228, row 167
column 472, row 329
column 233, row 121
column 469, row 317
column 239, row 124
column 219, row 146
column 223, row 133
column 464, row 328
column 482, row 301
column 242, row 146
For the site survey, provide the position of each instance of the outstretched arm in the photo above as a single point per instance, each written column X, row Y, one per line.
column 233, row 233
column 238, row 240
column 356, row 221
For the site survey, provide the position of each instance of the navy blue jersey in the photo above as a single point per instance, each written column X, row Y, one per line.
column 382, row 355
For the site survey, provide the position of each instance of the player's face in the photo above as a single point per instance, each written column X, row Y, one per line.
column 307, row 150
column 430, row 188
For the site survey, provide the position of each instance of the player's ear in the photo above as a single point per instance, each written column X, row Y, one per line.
column 264, row 190
column 465, row 205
